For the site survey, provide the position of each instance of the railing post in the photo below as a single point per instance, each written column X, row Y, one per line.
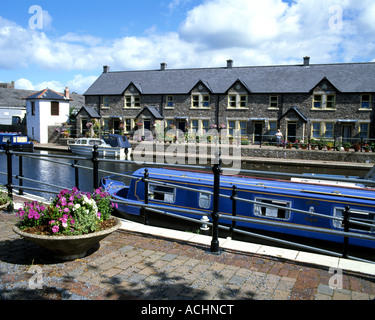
column 95, row 167
column 346, row 229
column 76, row 174
column 234, row 210
column 9, row 176
column 215, row 213
column 145, row 213
column 20, row 174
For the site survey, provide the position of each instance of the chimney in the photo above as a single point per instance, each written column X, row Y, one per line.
column 163, row 66
column 229, row 64
column 306, row 61
column 105, row 69
column 67, row 93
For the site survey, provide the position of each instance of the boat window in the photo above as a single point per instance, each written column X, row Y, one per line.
column 161, row 193
column 83, row 141
column 204, row 200
column 357, row 215
column 271, row 212
column 95, row 142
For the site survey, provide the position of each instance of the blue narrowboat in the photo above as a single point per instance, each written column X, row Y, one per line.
column 271, row 200
column 18, row 141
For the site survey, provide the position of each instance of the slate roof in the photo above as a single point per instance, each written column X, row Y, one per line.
column 15, row 98
column 47, row 94
column 154, row 112
column 91, row 111
column 349, row 77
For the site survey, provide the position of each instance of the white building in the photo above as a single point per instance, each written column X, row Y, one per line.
column 43, row 109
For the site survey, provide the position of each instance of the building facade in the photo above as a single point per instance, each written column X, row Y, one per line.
column 43, row 109
column 321, row 101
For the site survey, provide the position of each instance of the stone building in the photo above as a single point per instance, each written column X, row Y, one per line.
column 308, row 100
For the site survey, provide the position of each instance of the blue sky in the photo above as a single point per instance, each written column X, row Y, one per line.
column 79, row 37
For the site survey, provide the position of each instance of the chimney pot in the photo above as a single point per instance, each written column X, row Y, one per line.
column 105, row 69
column 306, row 61
column 163, row 66
column 229, row 64
column 67, row 93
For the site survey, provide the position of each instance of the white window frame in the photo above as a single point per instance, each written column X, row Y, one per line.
column 200, row 99
column 135, row 101
column 238, row 101
column 169, row 197
column 270, row 212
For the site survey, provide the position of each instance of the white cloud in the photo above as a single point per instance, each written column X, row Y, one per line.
column 79, row 84
column 250, row 32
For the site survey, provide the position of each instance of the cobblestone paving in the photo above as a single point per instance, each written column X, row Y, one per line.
column 130, row 265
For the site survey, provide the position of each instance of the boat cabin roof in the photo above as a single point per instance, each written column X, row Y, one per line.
column 205, row 180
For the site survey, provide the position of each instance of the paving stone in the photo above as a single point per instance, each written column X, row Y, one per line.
column 324, row 289
column 129, row 265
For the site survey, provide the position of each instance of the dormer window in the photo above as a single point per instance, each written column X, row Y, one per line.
column 324, row 101
column 274, row 102
column 199, row 100
column 237, row 101
column 366, row 101
column 132, row 101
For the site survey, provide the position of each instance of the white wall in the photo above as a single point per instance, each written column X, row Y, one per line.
column 38, row 124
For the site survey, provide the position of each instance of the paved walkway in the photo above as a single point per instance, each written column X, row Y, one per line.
column 135, row 265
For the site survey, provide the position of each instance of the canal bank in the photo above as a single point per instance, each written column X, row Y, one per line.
column 252, row 154
column 147, row 263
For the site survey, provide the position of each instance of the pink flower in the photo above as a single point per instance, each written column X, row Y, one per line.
column 98, row 215
column 55, row 229
column 66, row 210
column 71, row 198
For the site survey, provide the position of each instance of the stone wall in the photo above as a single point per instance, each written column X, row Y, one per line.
column 249, row 152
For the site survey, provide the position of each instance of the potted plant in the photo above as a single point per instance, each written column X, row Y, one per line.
column 346, row 146
column 367, row 147
column 5, row 201
column 338, row 146
column 304, row 145
column 313, row 144
column 357, row 146
column 73, row 223
column 321, row 144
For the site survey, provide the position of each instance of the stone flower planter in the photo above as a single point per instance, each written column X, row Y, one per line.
column 68, row 247
column 4, row 206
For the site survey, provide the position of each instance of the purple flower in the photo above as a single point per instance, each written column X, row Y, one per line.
column 55, row 229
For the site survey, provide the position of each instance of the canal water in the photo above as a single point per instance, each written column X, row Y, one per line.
column 63, row 176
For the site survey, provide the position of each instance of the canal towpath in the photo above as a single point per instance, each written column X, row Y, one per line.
column 150, row 263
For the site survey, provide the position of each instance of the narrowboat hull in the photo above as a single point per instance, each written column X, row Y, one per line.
column 273, row 200
column 18, row 142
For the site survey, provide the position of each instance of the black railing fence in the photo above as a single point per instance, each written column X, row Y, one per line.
column 215, row 215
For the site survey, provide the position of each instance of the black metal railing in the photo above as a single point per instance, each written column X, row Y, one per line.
column 147, row 208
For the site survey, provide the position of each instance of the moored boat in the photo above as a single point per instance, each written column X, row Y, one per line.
column 112, row 145
column 18, row 141
column 271, row 200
